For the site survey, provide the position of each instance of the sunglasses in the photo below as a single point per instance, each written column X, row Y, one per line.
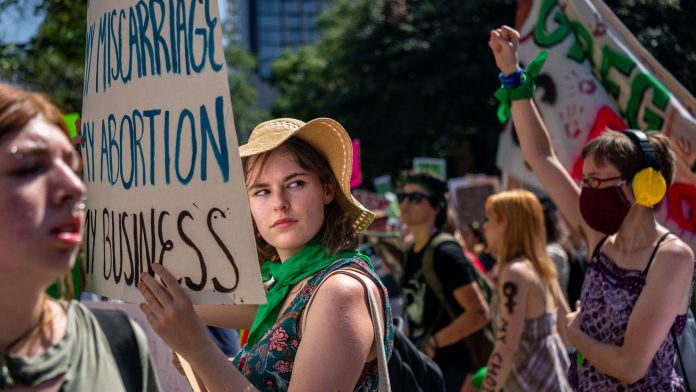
column 413, row 197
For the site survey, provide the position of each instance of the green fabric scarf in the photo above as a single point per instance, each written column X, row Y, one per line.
column 524, row 91
column 310, row 260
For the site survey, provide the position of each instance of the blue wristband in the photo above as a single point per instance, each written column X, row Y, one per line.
column 513, row 80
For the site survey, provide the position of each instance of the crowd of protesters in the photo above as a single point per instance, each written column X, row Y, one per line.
column 579, row 290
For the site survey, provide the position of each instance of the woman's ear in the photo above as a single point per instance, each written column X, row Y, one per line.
column 329, row 192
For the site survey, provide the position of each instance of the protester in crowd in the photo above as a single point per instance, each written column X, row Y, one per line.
column 639, row 278
column 556, row 250
column 48, row 344
column 452, row 226
column 307, row 225
column 529, row 354
column 472, row 233
column 385, row 250
column 444, row 304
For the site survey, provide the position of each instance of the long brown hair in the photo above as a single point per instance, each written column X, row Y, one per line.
column 337, row 233
column 525, row 234
column 18, row 107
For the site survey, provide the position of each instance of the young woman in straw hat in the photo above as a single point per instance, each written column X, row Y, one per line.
column 638, row 283
column 529, row 354
column 45, row 344
column 306, row 224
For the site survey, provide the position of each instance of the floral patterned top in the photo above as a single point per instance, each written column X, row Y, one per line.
column 268, row 364
column 609, row 294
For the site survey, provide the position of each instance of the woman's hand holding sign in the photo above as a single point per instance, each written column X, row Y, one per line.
column 170, row 312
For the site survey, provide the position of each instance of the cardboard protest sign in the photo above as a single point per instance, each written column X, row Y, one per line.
column 598, row 76
column 468, row 194
column 435, row 166
column 161, row 164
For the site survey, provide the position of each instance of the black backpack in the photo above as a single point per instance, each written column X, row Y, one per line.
column 479, row 344
column 410, row 370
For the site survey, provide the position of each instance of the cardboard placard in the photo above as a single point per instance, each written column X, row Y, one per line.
column 161, row 161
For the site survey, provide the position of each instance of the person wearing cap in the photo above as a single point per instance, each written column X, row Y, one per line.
column 423, row 208
column 314, row 333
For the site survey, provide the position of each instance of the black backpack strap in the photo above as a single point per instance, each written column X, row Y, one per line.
column 599, row 246
column 681, row 361
column 124, row 346
column 654, row 252
column 428, row 271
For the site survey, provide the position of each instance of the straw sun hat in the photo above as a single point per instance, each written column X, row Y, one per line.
column 333, row 143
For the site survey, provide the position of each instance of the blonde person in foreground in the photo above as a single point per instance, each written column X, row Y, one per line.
column 529, row 354
column 47, row 344
column 639, row 279
column 307, row 225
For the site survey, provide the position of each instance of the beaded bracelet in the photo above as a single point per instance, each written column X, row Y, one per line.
column 508, row 91
column 512, row 80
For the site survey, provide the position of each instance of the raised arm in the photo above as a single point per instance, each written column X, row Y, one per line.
column 512, row 295
column 534, row 138
column 664, row 296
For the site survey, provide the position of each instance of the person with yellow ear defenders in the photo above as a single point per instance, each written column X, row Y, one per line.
column 639, row 279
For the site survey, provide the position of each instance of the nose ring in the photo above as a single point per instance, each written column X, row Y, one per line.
column 81, row 205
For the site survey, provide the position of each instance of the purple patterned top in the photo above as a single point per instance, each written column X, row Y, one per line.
column 609, row 293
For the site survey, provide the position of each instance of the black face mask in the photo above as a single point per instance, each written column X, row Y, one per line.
column 604, row 209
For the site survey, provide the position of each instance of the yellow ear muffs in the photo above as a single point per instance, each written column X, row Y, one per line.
column 649, row 187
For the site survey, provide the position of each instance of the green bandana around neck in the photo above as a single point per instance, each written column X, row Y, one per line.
column 308, row 261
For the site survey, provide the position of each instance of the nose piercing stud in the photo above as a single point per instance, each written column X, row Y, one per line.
column 82, row 204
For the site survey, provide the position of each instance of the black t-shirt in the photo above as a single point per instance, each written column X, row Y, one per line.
column 454, row 270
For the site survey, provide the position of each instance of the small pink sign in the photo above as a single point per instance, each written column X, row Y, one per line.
column 356, row 176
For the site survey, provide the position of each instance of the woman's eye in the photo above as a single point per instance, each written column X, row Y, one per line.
column 29, row 170
column 261, row 192
column 296, row 184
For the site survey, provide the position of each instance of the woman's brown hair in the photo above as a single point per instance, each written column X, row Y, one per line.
column 525, row 234
column 619, row 150
column 18, row 107
column 337, row 233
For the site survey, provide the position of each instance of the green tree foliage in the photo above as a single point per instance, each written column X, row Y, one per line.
column 409, row 78
column 665, row 28
column 241, row 67
column 415, row 77
column 53, row 60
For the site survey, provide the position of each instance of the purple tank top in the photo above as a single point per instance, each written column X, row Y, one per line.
column 609, row 294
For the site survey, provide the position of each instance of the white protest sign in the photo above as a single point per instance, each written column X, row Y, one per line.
column 161, row 164
column 435, row 166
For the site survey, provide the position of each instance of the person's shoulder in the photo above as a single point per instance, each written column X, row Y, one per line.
column 344, row 288
column 675, row 256
column 519, row 271
column 449, row 247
